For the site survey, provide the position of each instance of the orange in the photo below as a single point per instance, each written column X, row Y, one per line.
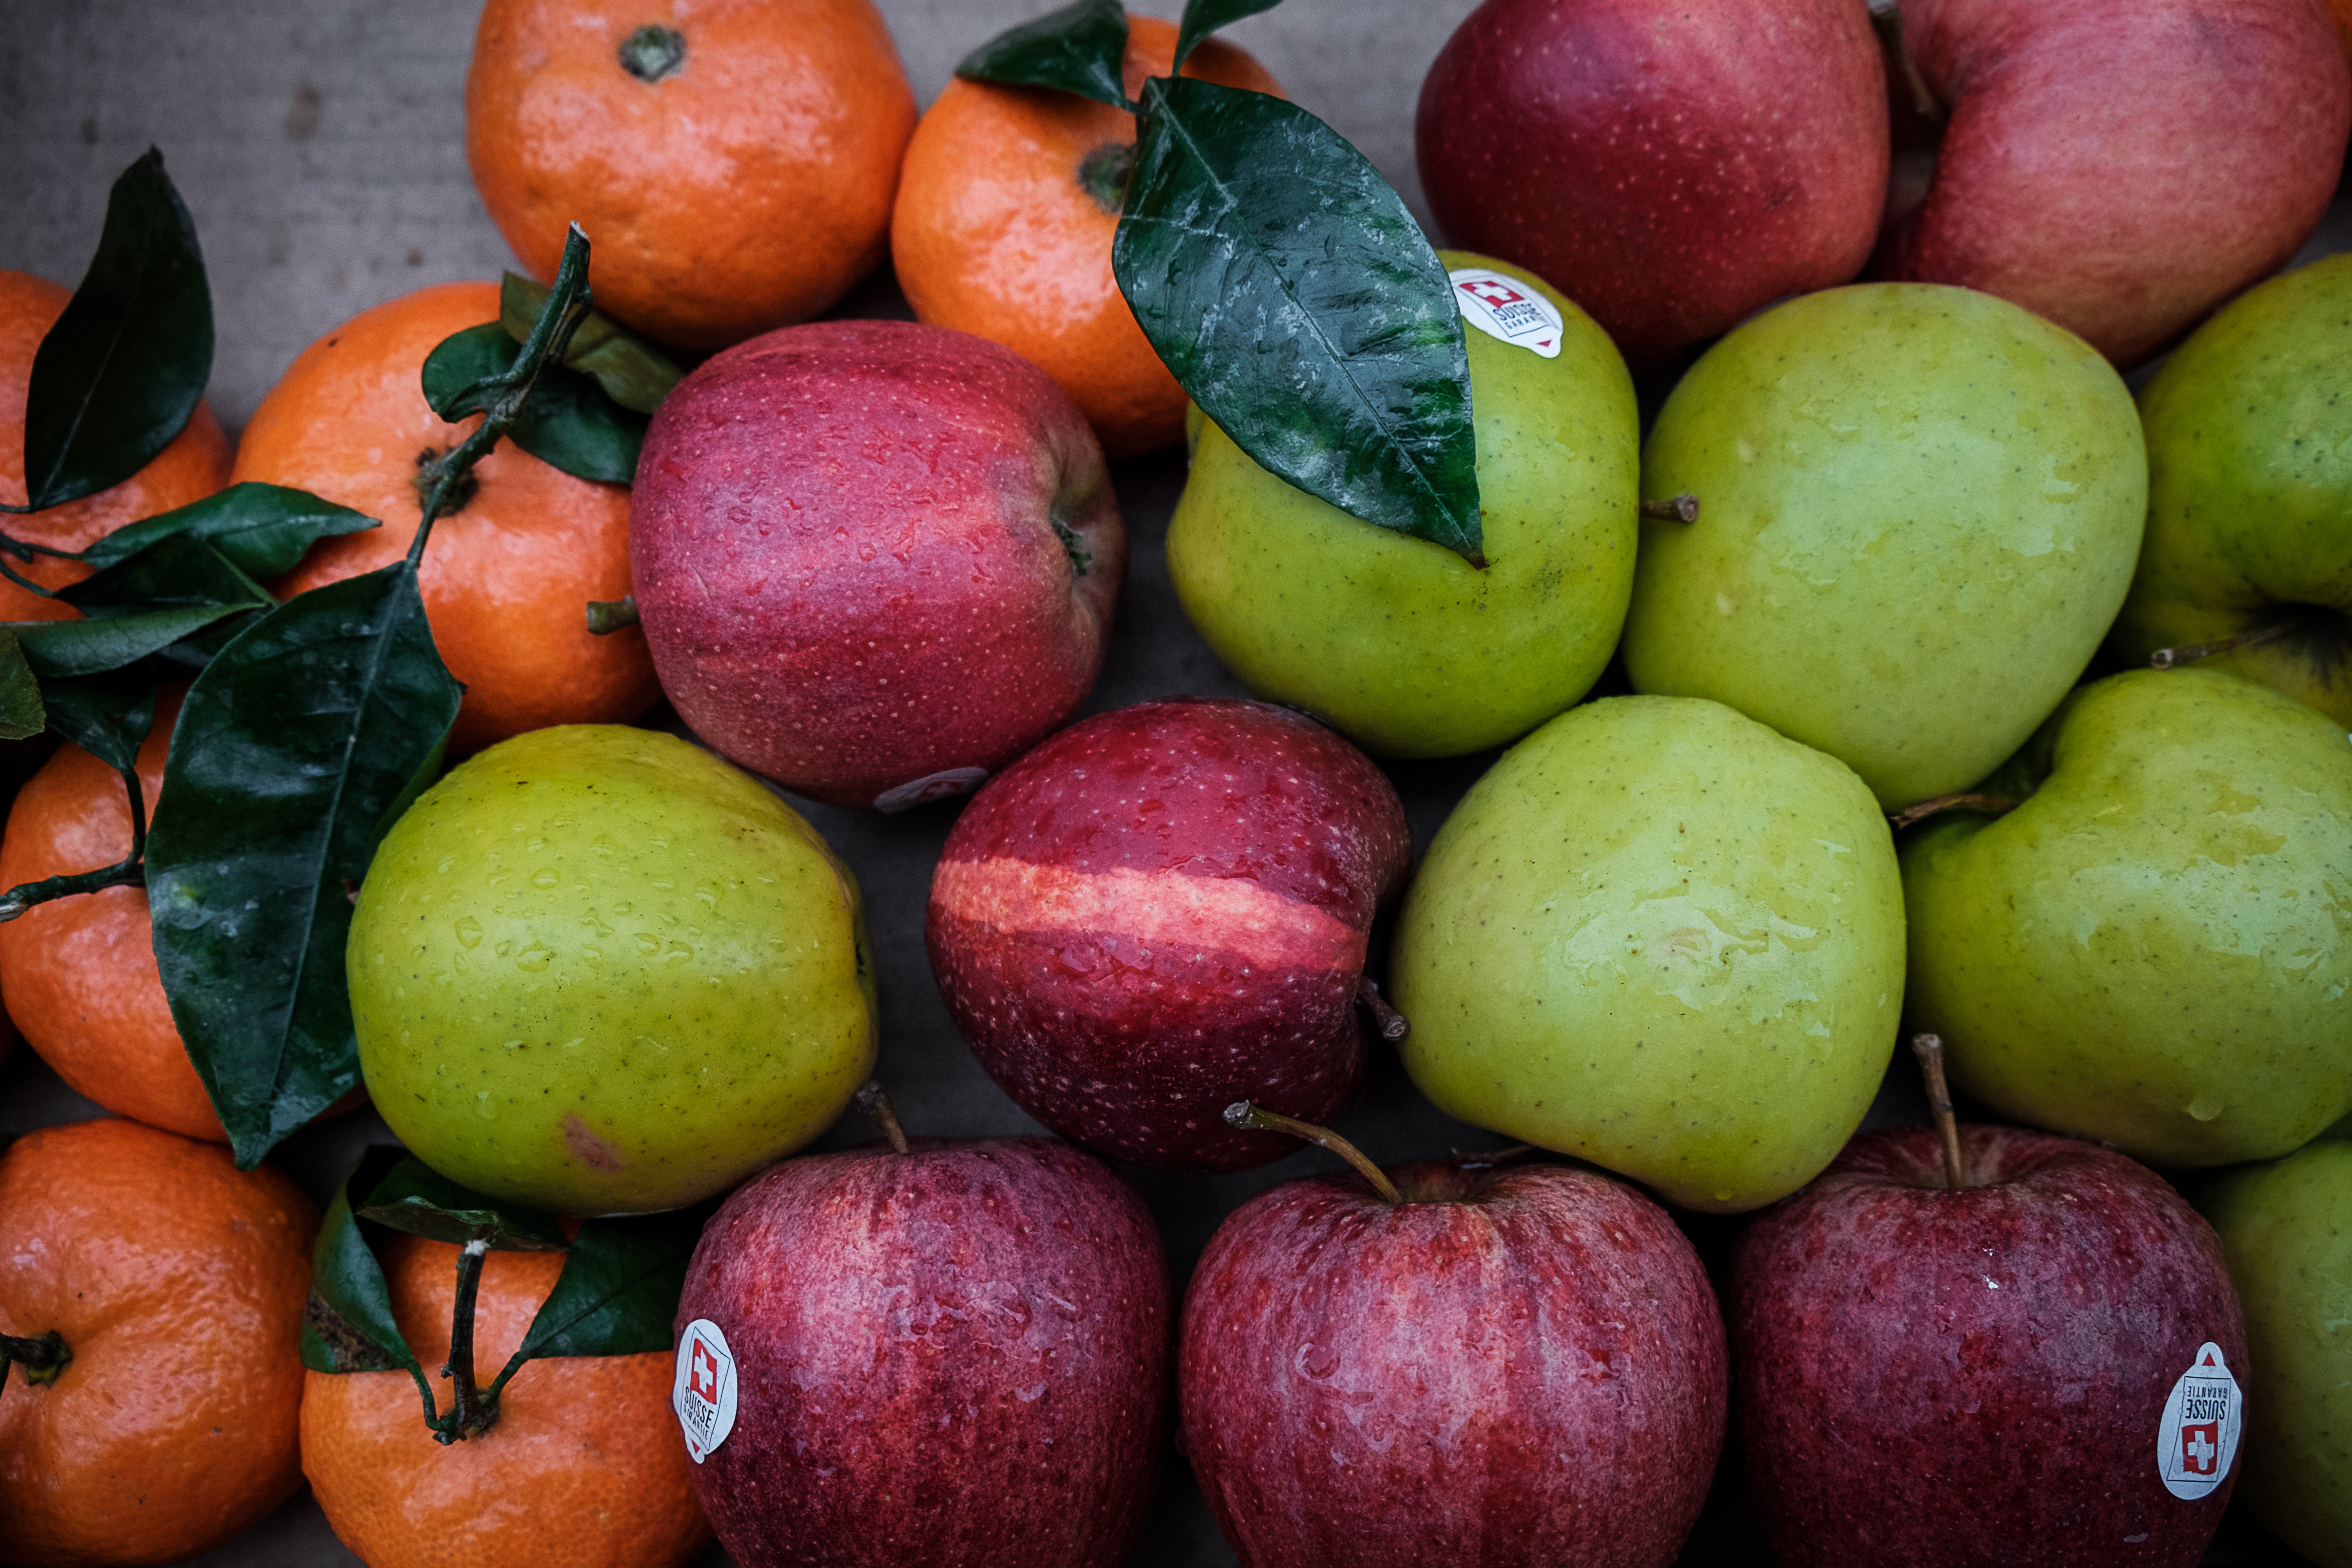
column 584, row 1469
column 79, row 972
column 193, row 467
column 177, row 1282
column 508, row 577
column 732, row 161
column 1003, row 230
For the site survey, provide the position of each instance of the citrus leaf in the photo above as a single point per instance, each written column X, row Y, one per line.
column 119, row 374
column 179, row 571
column 1285, row 285
column 1081, row 48
column 263, row 530
column 22, row 715
column 632, row 372
column 618, row 1292
column 348, row 1325
column 568, row 424
column 56, row 648
column 1202, row 17
column 296, row 746
column 108, row 715
column 415, row 1198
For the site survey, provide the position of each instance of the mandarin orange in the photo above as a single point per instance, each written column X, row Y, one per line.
column 584, row 1469
column 732, row 161
column 508, row 577
column 1006, row 207
column 176, row 1282
column 193, row 467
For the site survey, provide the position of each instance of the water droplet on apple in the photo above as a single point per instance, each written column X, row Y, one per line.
column 2205, row 1108
column 484, row 1107
column 605, row 846
column 469, row 933
column 534, row 958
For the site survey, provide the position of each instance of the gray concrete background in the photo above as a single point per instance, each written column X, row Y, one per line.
column 321, row 147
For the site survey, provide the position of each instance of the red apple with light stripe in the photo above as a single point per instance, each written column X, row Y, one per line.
column 1164, row 909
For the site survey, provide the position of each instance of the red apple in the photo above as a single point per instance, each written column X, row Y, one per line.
column 954, row 1357
column 875, row 559
column 2122, row 166
column 1164, row 909
column 1671, row 168
column 1511, row 1369
column 1928, row 1376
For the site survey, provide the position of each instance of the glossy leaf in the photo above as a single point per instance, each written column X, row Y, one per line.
column 1081, row 48
column 568, row 424
column 415, row 1198
column 119, row 374
column 632, row 372
column 22, row 715
column 349, row 1325
column 108, row 715
column 619, row 1291
column 1287, row 288
column 58, row 648
column 262, row 530
column 178, row 570
column 295, row 748
column 1202, row 17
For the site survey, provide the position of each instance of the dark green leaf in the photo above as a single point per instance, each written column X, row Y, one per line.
column 349, row 1325
column 632, row 372
column 22, row 715
column 1202, row 17
column 416, row 1198
column 179, row 571
column 1289, row 291
column 1081, row 48
column 568, row 424
column 106, row 715
column 263, row 530
column 121, row 371
column 56, row 648
column 619, row 1289
column 296, row 747
column 197, row 651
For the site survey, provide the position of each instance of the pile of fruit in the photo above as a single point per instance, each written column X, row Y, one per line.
column 1844, row 666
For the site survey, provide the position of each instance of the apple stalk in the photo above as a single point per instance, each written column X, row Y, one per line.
column 872, row 1100
column 1392, row 1024
column 2173, row 657
column 1920, row 811
column 1929, row 1049
column 1683, row 507
column 1243, row 1116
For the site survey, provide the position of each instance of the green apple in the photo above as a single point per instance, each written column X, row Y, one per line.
column 2154, row 950
column 598, row 970
column 2250, row 492
column 1917, row 513
column 1401, row 645
column 2286, row 1231
column 1660, row 937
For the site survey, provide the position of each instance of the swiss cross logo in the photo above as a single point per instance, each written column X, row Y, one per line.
column 1491, row 291
column 703, row 1394
column 2198, row 1436
column 1505, row 309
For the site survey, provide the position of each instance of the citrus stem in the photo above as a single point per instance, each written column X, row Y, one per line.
column 1104, row 172
column 1244, row 1116
column 1929, row 1049
column 876, row 1103
column 42, row 1357
column 606, row 617
column 472, row 1413
column 653, row 52
column 1914, row 815
column 1683, row 507
column 1391, row 1023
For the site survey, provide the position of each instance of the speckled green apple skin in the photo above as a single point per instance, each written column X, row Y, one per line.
column 2287, row 1232
column 2249, row 491
column 1401, row 645
column 1660, row 937
column 2154, row 951
column 597, row 970
column 1919, row 511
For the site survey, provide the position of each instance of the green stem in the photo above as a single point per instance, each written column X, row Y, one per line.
column 1244, row 1116
column 606, row 617
column 472, row 1412
column 129, row 872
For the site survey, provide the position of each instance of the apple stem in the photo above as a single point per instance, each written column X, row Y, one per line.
column 606, row 617
column 1245, row 1117
column 1491, row 1158
column 1683, row 507
column 1888, row 20
column 2189, row 653
column 1912, row 816
column 473, row 1412
column 42, row 1357
column 1391, row 1023
column 872, row 1100
column 1929, row 1049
